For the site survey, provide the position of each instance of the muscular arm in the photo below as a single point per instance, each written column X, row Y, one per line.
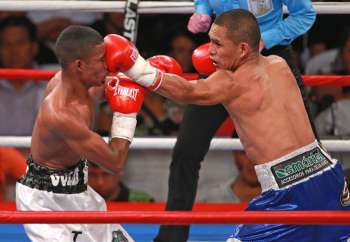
column 88, row 144
column 215, row 89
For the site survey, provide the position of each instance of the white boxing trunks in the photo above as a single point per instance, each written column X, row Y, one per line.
column 43, row 189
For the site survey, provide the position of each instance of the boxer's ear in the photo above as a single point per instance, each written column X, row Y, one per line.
column 244, row 49
column 78, row 64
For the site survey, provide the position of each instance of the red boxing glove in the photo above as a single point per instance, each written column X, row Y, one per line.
column 125, row 98
column 122, row 55
column 166, row 64
column 124, row 95
column 201, row 60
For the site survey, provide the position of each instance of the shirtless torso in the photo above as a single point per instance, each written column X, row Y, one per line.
column 268, row 111
column 49, row 145
column 63, row 134
column 263, row 100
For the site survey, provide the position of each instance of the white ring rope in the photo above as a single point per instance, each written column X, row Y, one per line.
column 151, row 7
column 223, row 144
column 97, row 6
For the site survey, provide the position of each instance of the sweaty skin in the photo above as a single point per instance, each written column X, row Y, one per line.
column 260, row 94
column 62, row 132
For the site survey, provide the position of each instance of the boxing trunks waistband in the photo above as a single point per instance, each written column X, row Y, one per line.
column 293, row 168
column 66, row 181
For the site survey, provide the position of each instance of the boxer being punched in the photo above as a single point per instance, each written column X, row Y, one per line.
column 263, row 99
column 62, row 140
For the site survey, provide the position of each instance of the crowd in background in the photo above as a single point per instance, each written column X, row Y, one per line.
column 26, row 42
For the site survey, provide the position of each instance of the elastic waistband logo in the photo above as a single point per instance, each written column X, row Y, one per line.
column 299, row 167
column 71, row 179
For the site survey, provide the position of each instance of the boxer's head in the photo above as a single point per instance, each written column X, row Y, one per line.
column 234, row 36
column 241, row 26
column 81, row 50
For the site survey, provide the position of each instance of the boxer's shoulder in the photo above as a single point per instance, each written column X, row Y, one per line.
column 272, row 58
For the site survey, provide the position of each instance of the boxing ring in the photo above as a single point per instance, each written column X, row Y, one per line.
column 211, row 222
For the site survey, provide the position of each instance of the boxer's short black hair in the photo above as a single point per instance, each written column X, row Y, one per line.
column 242, row 26
column 75, row 42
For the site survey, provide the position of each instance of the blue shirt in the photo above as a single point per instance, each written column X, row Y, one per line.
column 19, row 108
column 274, row 29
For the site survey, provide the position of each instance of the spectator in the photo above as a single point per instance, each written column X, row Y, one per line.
column 332, row 123
column 19, row 100
column 50, row 24
column 111, row 23
column 160, row 117
column 243, row 188
column 181, row 48
column 322, row 63
column 111, row 188
column 45, row 55
column 175, row 112
column 315, row 46
column 332, row 61
column 336, row 62
column 333, row 118
column 344, row 54
column 153, row 113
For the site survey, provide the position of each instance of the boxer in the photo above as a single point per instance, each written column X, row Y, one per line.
column 263, row 99
column 63, row 140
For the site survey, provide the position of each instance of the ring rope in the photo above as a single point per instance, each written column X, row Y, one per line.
column 178, row 218
column 222, row 144
column 149, row 7
column 36, row 75
column 145, row 7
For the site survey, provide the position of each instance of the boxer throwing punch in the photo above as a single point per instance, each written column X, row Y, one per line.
column 262, row 97
column 200, row 123
column 62, row 140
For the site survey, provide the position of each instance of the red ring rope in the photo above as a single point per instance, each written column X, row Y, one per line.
column 27, row 74
column 179, row 218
